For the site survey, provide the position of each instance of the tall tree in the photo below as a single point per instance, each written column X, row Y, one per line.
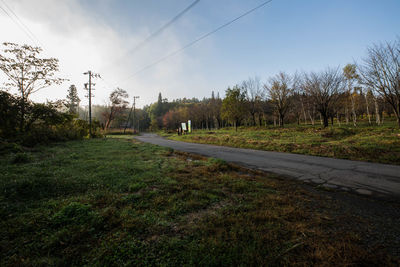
column 27, row 72
column 280, row 88
column 381, row 72
column 351, row 76
column 118, row 102
column 254, row 95
column 233, row 106
column 324, row 89
column 73, row 99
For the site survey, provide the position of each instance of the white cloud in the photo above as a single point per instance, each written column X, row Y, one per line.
column 84, row 42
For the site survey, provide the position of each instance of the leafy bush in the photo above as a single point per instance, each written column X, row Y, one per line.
column 41, row 124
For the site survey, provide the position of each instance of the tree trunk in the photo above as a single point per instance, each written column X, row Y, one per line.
column 254, row 118
column 353, row 109
column 22, row 120
column 304, row 112
column 369, row 116
column 377, row 116
column 312, row 119
column 325, row 120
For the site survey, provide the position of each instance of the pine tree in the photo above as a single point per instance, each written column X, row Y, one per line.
column 73, row 99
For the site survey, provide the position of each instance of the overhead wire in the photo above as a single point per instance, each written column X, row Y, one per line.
column 154, row 34
column 20, row 23
column 197, row 40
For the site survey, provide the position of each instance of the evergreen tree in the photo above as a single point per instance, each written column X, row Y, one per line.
column 73, row 99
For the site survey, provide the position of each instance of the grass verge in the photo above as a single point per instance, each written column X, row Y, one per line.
column 366, row 143
column 118, row 202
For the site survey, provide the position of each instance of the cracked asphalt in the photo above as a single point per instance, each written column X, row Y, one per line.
column 365, row 178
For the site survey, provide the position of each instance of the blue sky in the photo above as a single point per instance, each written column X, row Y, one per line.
column 285, row 35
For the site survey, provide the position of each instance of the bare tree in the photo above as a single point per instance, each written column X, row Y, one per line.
column 351, row 76
column 279, row 89
column 324, row 89
column 381, row 72
column 254, row 95
column 26, row 72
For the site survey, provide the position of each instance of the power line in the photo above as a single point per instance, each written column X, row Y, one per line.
column 198, row 40
column 154, row 34
column 20, row 24
column 17, row 24
column 157, row 32
column 20, row 21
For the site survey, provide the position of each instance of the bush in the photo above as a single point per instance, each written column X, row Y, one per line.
column 41, row 124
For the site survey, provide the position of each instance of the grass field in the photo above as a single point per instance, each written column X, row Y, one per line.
column 114, row 202
column 366, row 143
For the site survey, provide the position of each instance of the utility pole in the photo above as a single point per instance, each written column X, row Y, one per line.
column 134, row 109
column 91, row 75
column 130, row 112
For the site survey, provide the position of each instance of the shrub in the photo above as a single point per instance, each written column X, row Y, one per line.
column 42, row 123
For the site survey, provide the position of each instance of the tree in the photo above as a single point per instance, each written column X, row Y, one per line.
column 73, row 99
column 280, row 88
column 233, row 105
column 324, row 89
column 118, row 103
column 351, row 76
column 27, row 72
column 381, row 72
column 254, row 94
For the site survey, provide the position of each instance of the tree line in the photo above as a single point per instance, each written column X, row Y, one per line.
column 369, row 90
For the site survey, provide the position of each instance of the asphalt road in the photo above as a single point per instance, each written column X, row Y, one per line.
column 361, row 177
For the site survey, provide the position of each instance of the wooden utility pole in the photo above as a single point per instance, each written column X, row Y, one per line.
column 91, row 75
column 130, row 112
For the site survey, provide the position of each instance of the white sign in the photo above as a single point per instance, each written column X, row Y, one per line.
column 183, row 126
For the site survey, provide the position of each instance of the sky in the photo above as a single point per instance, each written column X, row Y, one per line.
column 284, row 35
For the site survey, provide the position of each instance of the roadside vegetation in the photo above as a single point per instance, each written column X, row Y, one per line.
column 120, row 202
column 366, row 143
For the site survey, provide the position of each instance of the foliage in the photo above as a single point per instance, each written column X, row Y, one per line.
column 233, row 105
column 117, row 104
column 43, row 122
column 26, row 72
column 73, row 99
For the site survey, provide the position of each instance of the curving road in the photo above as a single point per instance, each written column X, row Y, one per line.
column 361, row 177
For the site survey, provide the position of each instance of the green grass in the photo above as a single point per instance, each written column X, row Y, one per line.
column 366, row 143
column 114, row 202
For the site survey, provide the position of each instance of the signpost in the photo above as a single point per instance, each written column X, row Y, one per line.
column 184, row 129
column 189, row 126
